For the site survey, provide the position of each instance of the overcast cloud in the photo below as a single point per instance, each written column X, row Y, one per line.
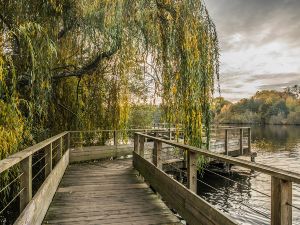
column 260, row 44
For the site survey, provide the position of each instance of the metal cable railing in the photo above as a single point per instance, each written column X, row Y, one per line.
column 279, row 177
column 11, row 201
column 229, row 197
column 13, row 181
column 33, row 166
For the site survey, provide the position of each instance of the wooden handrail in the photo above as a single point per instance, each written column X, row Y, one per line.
column 272, row 171
column 19, row 156
column 92, row 131
column 281, row 180
column 34, row 205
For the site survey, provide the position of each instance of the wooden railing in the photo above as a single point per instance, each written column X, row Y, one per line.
column 107, row 137
column 178, row 197
column 39, row 171
column 233, row 133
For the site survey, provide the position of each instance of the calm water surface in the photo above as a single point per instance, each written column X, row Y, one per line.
column 277, row 146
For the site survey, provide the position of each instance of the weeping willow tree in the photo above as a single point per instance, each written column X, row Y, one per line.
column 81, row 65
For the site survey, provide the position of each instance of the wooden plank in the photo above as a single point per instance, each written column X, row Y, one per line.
column 99, row 152
column 190, row 206
column 249, row 139
column 226, row 142
column 48, row 160
column 116, row 196
column 141, row 146
column 136, row 143
column 26, row 182
column 156, row 156
column 281, row 201
column 19, row 156
column 192, row 171
column 36, row 209
column 241, row 142
column 272, row 171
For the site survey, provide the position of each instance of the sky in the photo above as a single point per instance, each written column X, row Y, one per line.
column 259, row 44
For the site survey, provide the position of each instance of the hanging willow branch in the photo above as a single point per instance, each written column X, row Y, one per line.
column 89, row 68
column 175, row 41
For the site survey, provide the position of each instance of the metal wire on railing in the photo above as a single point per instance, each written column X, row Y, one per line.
column 40, row 159
column 14, row 180
column 236, row 182
column 11, row 201
column 243, row 185
column 240, row 202
column 262, row 213
column 293, row 206
column 233, row 199
column 39, row 171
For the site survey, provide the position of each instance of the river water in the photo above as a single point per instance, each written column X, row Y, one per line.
column 277, row 146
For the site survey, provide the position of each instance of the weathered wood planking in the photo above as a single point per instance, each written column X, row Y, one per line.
column 36, row 209
column 272, row 171
column 99, row 152
column 190, row 206
column 19, row 156
column 106, row 193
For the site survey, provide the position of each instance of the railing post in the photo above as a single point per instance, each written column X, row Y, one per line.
column 60, row 150
column 48, row 160
column 241, row 142
column 142, row 145
column 69, row 140
column 115, row 137
column 145, row 131
column 226, row 142
column 249, row 140
column 136, row 143
column 26, row 182
column 156, row 156
column 281, row 201
column 192, row 170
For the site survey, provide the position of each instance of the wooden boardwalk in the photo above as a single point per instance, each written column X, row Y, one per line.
column 111, row 192
column 107, row 192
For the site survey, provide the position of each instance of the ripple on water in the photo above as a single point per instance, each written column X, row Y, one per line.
column 243, row 203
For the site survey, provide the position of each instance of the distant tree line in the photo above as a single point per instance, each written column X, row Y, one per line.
column 265, row 107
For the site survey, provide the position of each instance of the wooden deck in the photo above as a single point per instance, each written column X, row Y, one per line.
column 107, row 192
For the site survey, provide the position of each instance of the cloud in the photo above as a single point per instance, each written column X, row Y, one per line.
column 248, row 84
column 260, row 44
column 255, row 22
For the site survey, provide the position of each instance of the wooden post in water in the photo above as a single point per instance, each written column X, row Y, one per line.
column 226, row 142
column 156, row 156
column 26, row 182
column 249, row 140
column 281, row 199
column 241, row 141
column 142, row 145
column 48, row 159
column 192, row 170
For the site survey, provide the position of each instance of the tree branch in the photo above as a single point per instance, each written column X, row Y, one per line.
column 166, row 7
column 90, row 67
column 10, row 28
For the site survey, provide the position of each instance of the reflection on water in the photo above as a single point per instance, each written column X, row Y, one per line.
column 277, row 146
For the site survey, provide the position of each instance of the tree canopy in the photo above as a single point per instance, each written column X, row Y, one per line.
column 265, row 107
column 81, row 64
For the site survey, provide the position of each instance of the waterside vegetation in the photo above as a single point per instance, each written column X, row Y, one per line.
column 265, row 107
